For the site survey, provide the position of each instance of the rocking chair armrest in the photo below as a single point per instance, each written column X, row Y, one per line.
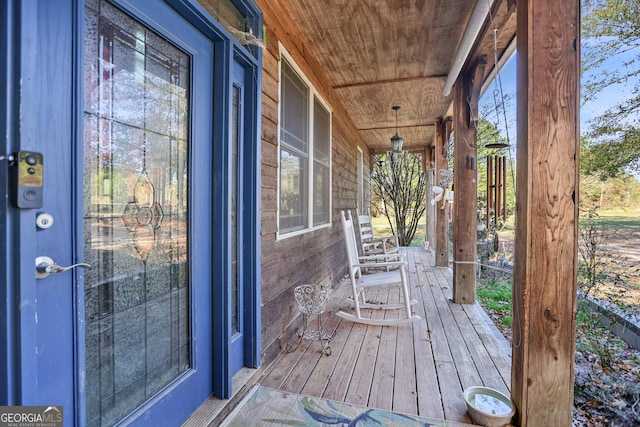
column 383, row 239
column 381, row 264
column 392, row 238
column 381, row 257
column 389, row 244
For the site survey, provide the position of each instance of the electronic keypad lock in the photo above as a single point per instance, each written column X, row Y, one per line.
column 28, row 179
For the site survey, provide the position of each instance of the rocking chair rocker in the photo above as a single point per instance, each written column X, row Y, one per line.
column 385, row 281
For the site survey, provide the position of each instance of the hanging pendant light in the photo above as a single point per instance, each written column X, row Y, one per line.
column 396, row 140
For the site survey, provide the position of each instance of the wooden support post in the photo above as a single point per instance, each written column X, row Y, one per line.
column 430, row 210
column 546, row 239
column 442, row 236
column 465, row 185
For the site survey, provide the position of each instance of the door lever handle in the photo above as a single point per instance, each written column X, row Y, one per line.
column 46, row 266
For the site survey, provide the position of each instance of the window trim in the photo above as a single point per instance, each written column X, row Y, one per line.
column 313, row 95
column 360, row 179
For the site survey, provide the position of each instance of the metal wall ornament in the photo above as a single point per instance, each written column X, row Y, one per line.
column 447, row 177
column 396, row 140
column 442, row 192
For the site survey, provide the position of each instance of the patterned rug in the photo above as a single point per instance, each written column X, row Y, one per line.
column 267, row 407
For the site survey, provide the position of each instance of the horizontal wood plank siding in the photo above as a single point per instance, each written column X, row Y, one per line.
column 316, row 256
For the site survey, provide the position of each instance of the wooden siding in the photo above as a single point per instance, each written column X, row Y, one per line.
column 315, row 256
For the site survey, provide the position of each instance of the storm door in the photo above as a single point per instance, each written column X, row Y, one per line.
column 146, row 213
column 236, row 357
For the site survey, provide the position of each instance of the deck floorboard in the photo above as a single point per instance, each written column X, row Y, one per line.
column 418, row 368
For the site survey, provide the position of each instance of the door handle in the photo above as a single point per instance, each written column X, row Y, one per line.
column 46, row 266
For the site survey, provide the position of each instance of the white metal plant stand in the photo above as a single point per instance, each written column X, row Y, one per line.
column 312, row 300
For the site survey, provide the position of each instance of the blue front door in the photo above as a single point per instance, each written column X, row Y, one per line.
column 146, row 209
column 140, row 119
column 127, row 183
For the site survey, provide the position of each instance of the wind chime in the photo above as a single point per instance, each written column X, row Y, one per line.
column 497, row 164
column 496, row 189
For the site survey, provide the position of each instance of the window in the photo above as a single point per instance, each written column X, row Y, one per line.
column 305, row 155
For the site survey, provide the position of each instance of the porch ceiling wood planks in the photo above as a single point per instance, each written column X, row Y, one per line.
column 415, row 137
column 418, row 368
column 370, row 109
column 377, row 54
column 372, row 40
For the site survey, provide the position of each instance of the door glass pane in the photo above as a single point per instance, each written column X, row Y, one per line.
column 235, row 136
column 136, row 122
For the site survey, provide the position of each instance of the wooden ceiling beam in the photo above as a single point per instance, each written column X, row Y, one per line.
column 400, row 80
column 502, row 19
column 412, row 126
column 415, row 150
column 476, row 86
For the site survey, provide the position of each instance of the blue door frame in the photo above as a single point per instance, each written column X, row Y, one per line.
column 8, row 86
column 30, row 50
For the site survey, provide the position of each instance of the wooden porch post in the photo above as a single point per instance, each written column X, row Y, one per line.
column 546, row 240
column 465, row 184
column 442, row 238
column 429, row 210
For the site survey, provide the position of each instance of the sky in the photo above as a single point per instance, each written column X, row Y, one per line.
column 487, row 105
column 588, row 111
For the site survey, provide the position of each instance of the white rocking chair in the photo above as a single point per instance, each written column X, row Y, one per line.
column 378, row 281
column 372, row 245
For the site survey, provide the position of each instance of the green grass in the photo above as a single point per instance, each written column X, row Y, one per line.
column 381, row 228
column 621, row 220
column 495, row 297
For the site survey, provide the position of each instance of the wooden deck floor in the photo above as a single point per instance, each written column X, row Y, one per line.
column 420, row 368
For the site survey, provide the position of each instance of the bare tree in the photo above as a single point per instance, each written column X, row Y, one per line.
column 398, row 183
